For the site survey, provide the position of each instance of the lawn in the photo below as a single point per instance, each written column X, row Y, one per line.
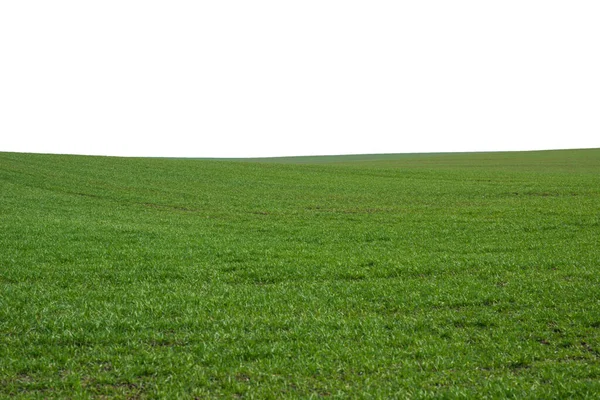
column 378, row 276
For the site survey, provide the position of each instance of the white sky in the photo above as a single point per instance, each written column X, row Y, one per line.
column 225, row 78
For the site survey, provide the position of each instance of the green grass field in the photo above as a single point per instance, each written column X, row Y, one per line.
column 393, row 276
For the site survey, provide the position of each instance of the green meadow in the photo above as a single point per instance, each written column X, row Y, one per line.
column 472, row 275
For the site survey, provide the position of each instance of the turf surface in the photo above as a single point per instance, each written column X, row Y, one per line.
column 393, row 276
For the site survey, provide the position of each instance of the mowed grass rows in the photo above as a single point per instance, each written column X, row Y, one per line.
column 393, row 276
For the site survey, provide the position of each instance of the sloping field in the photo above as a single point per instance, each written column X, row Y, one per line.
column 393, row 276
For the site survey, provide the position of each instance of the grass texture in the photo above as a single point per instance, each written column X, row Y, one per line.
column 392, row 276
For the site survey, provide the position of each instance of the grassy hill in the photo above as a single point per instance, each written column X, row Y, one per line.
column 430, row 275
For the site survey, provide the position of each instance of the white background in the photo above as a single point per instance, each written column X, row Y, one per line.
column 246, row 78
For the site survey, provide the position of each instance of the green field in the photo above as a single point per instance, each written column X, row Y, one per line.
column 393, row 276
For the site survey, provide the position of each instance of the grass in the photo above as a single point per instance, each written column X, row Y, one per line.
column 395, row 276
